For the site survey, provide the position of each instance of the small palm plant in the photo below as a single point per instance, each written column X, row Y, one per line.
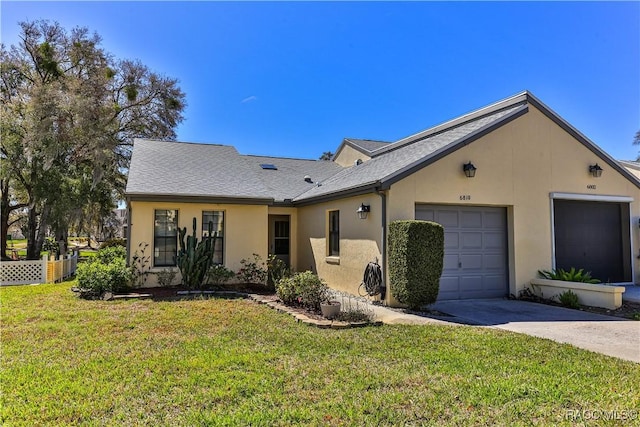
column 572, row 275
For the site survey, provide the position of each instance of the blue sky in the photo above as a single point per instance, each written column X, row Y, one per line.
column 293, row 79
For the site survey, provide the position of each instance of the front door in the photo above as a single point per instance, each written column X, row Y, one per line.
column 279, row 234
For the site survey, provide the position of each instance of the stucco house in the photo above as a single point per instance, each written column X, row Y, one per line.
column 516, row 187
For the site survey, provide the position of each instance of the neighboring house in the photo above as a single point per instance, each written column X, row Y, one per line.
column 543, row 196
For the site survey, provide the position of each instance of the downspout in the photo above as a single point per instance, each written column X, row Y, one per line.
column 383, row 288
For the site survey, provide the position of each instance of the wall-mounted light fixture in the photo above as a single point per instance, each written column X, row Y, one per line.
column 363, row 211
column 595, row 171
column 469, row 170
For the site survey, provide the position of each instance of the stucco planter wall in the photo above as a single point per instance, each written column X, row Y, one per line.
column 597, row 295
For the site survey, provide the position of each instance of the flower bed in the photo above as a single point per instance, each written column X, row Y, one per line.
column 594, row 295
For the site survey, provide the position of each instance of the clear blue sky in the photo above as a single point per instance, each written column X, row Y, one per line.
column 293, row 79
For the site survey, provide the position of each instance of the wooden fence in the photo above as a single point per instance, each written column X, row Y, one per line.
column 39, row 271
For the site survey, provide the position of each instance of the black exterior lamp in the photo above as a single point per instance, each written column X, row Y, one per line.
column 595, row 170
column 469, row 170
column 363, row 211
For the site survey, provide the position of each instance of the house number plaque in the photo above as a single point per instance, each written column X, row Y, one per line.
column 591, row 187
column 465, row 197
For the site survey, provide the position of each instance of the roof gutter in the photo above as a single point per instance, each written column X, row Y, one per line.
column 177, row 198
column 356, row 191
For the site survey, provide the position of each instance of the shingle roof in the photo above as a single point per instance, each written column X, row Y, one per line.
column 161, row 168
column 217, row 171
column 288, row 181
column 405, row 154
column 367, row 145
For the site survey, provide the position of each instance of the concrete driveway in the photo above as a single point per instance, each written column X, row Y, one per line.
column 603, row 334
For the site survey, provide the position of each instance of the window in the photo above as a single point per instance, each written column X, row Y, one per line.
column 165, row 237
column 217, row 218
column 334, row 233
column 281, row 238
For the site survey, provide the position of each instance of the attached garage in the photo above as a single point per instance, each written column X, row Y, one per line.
column 594, row 235
column 475, row 253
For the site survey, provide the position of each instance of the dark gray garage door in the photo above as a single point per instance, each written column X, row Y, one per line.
column 593, row 236
column 475, row 250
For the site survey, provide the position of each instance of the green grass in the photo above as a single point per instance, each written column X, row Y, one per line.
column 233, row 362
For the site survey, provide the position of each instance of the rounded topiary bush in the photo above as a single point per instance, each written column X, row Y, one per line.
column 416, row 253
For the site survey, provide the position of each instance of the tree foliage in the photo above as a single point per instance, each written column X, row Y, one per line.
column 327, row 155
column 69, row 114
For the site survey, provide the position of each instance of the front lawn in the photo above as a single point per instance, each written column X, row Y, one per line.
column 233, row 362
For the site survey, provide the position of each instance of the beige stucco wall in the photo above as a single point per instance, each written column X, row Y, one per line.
column 359, row 241
column 246, row 228
column 348, row 155
column 519, row 165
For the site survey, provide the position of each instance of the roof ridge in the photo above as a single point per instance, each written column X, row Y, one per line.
column 279, row 157
column 495, row 107
column 175, row 141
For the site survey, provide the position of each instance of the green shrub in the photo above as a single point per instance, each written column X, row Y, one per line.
column 218, row 274
column 569, row 299
column 305, row 289
column 252, row 271
column 276, row 270
column 166, row 276
column 95, row 277
column 110, row 253
column 572, row 275
column 113, row 242
column 416, row 252
column 286, row 291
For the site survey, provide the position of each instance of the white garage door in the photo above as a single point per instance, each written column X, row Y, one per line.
column 475, row 250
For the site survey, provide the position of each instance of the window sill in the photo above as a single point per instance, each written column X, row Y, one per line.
column 332, row 260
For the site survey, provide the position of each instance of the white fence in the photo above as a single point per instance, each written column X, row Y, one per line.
column 40, row 271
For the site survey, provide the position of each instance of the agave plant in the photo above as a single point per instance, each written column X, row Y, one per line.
column 572, row 275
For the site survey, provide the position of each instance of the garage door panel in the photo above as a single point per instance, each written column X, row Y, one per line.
column 450, row 262
column 471, row 261
column 471, row 240
column 448, row 218
column 451, row 240
column 493, row 220
column 494, row 283
column 493, row 262
column 494, row 240
column 449, row 287
column 470, row 219
column 471, row 283
column 475, row 260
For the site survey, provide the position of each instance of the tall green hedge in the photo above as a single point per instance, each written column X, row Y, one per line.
column 416, row 252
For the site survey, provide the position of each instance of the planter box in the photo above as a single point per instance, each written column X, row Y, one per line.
column 599, row 295
column 330, row 309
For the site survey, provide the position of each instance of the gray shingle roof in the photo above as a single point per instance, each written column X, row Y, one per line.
column 367, row 145
column 161, row 168
column 217, row 171
column 404, row 156
column 287, row 181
